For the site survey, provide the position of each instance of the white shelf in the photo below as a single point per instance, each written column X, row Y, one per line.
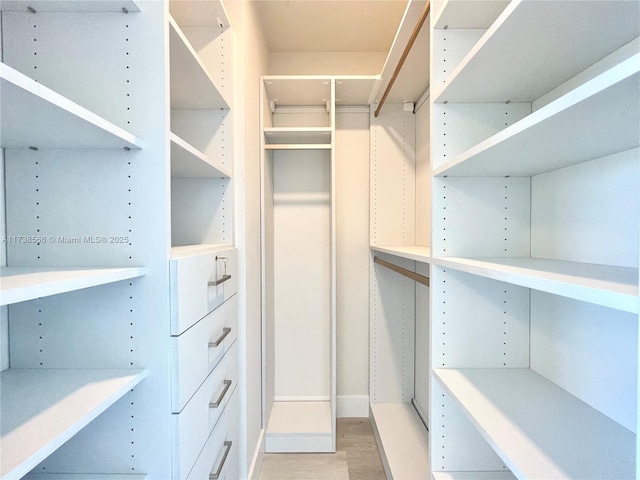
column 36, row 116
column 593, row 121
column 300, row 427
column 496, row 475
column 524, row 54
column 402, row 440
column 355, row 90
column 538, row 429
column 469, row 13
column 199, row 13
column 83, row 476
column 298, row 146
column 42, row 6
column 43, row 408
column 188, row 250
column 297, row 135
column 412, row 252
column 19, row 284
column 606, row 285
column 192, row 86
column 188, row 162
column 304, row 90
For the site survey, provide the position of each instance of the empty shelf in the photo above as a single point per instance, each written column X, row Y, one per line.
column 469, row 13
column 188, row 250
column 496, row 475
column 298, row 146
column 402, row 440
column 606, row 285
column 418, row 253
column 305, row 90
column 19, row 284
column 192, row 86
column 294, row 135
column 36, row 116
column 538, row 429
column 187, row 161
column 199, row 13
column 73, row 6
column 43, row 408
column 524, row 54
column 300, row 427
column 83, row 476
column 593, row 121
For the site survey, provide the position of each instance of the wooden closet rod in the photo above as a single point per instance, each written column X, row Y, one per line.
column 407, row 49
column 403, row 271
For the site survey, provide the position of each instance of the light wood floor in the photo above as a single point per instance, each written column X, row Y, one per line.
column 356, row 458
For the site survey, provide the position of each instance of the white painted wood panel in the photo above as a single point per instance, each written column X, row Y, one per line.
column 466, row 14
column 60, row 6
column 411, row 252
column 422, row 372
column 539, row 429
column 423, row 172
column 284, row 135
column 196, row 13
column 473, row 475
column 295, row 90
column 300, row 427
column 188, row 162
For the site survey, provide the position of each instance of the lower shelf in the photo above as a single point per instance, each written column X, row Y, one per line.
column 500, row 475
column 300, row 427
column 40, row 409
column 402, row 440
column 538, row 429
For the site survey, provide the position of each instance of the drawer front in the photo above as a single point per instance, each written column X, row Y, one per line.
column 220, row 454
column 198, row 350
column 193, row 425
column 199, row 284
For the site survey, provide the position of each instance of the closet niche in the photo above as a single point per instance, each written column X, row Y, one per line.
column 298, row 250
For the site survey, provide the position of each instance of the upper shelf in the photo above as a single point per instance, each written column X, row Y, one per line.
column 36, row 116
column 19, row 284
column 43, row 408
column 293, row 135
column 594, row 120
column 304, row 90
column 469, row 13
column 606, row 285
column 192, row 86
column 535, row 46
column 127, row 6
column 199, row 13
column 539, row 429
column 355, row 90
column 418, row 253
column 188, row 162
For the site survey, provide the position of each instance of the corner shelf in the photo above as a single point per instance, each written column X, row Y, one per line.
column 43, row 408
column 411, row 252
column 524, row 54
column 36, row 116
column 592, row 121
column 539, row 429
column 606, row 285
column 19, row 284
column 75, row 6
column 192, row 86
column 188, row 162
column 297, row 135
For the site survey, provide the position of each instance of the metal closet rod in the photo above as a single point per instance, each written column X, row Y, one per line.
column 407, row 49
column 403, row 271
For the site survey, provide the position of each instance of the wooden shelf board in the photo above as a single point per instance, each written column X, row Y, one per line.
column 593, row 121
column 36, row 116
column 19, row 284
column 402, row 440
column 188, row 162
column 469, row 13
column 42, row 6
column 192, row 86
column 297, row 135
column 524, row 54
column 418, row 253
column 537, row 428
column 43, row 408
column 199, row 13
column 495, row 475
column 188, row 250
column 298, row 146
column 298, row 90
column 610, row 286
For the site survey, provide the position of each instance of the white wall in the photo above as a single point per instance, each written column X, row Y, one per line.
column 326, row 63
column 252, row 61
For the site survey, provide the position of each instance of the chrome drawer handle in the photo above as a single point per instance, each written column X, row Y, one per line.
column 216, row 476
column 220, row 280
column 225, row 331
column 216, row 404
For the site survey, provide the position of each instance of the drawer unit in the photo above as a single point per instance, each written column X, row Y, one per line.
column 193, row 425
column 219, row 459
column 198, row 350
column 200, row 281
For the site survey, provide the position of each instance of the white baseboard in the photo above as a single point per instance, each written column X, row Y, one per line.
column 258, row 457
column 352, row 406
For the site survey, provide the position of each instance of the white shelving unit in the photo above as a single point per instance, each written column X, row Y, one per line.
column 188, row 162
column 410, row 252
column 535, row 249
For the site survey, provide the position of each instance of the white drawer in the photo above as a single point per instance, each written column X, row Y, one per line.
column 220, row 454
column 193, row 425
column 199, row 285
column 198, row 350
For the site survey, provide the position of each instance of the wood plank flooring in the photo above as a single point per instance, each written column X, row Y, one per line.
column 356, row 458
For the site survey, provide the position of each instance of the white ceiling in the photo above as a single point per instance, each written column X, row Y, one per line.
column 330, row 25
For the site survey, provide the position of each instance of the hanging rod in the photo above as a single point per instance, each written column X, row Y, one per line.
column 407, row 49
column 403, row 271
